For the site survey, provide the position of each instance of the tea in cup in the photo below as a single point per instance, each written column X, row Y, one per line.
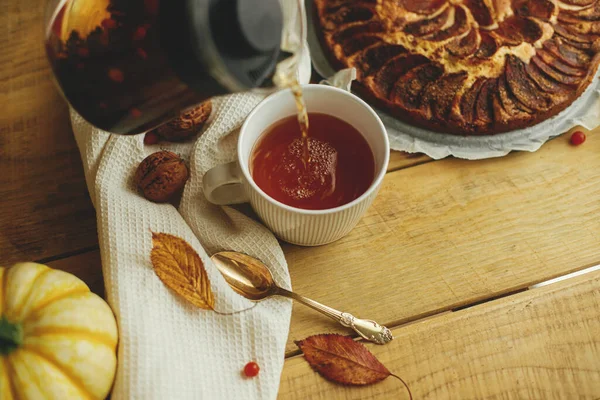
column 307, row 190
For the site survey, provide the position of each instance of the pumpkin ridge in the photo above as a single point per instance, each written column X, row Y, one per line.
column 73, row 379
column 32, row 313
column 87, row 335
column 19, row 307
column 9, row 373
column 3, row 285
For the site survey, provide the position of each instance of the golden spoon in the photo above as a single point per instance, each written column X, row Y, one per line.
column 252, row 279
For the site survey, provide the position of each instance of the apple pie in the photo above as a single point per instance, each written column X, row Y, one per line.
column 467, row 67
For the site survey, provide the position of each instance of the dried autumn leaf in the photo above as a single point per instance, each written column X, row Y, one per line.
column 180, row 268
column 340, row 359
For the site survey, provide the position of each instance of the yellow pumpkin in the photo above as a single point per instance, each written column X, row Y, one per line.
column 57, row 339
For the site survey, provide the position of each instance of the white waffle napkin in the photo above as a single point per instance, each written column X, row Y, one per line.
column 169, row 349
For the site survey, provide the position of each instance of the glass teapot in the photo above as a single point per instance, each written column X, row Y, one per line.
column 129, row 65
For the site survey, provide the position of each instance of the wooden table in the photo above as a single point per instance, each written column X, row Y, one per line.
column 447, row 255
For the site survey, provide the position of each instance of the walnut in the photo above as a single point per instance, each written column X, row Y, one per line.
column 161, row 176
column 187, row 124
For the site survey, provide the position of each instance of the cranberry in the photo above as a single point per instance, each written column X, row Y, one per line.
column 104, row 39
column 251, row 369
column 151, row 6
column 140, row 33
column 141, row 53
column 135, row 112
column 109, row 23
column 577, row 138
column 116, row 75
column 151, row 138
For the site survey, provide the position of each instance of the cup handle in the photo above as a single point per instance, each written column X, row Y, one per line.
column 223, row 185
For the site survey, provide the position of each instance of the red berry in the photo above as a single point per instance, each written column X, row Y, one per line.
column 142, row 53
column 151, row 6
column 104, row 39
column 151, row 138
column 109, row 23
column 116, row 75
column 140, row 33
column 251, row 369
column 577, row 138
column 83, row 52
column 135, row 113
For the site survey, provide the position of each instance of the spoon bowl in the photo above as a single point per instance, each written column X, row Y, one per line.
column 246, row 275
column 252, row 279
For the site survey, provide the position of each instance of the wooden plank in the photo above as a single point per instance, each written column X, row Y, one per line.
column 420, row 250
column 86, row 266
column 540, row 344
column 453, row 232
column 44, row 206
column 401, row 159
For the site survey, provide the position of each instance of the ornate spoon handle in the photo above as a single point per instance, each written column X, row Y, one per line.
column 366, row 328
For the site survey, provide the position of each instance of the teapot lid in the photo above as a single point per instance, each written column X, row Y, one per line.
column 247, row 37
column 249, row 27
column 235, row 42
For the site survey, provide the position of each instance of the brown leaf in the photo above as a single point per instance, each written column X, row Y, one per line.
column 340, row 359
column 180, row 268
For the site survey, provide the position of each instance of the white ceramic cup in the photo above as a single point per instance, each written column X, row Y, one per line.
column 233, row 184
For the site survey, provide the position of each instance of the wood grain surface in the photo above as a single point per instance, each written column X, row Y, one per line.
column 45, row 210
column 441, row 236
column 476, row 231
column 401, row 159
column 540, row 344
column 450, row 233
column 86, row 266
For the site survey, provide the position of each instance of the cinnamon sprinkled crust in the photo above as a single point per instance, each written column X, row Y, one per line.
column 467, row 67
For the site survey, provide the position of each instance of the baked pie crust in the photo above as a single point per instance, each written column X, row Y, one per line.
column 467, row 67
